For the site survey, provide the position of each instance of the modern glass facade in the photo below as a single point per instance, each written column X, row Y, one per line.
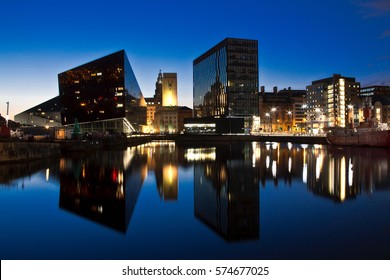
column 46, row 114
column 104, row 89
column 226, row 79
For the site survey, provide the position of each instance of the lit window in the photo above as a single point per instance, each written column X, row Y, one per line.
column 77, row 92
column 99, row 74
column 119, row 105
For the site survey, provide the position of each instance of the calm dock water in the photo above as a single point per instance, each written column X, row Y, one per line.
column 231, row 200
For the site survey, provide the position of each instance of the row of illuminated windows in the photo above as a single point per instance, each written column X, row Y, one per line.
column 77, row 92
column 96, row 74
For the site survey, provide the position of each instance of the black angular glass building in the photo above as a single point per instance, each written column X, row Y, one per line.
column 102, row 95
column 226, row 79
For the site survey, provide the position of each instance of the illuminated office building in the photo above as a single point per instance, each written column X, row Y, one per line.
column 102, row 95
column 226, row 80
column 332, row 101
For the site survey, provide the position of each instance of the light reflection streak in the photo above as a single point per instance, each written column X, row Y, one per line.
column 342, row 178
column 319, row 162
column 331, row 176
column 304, row 168
column 47, row 174
column 200, row 154
column 350, row 173
column 267, row 160
column 274, row 168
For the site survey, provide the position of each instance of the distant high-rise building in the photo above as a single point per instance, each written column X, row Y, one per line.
column 332, row 101
column 226, row 79
column 102, row 95
column 374, row 91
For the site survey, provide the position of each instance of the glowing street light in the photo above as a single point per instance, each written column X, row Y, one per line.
column 269, row 116
column 273, row 110
column 350, row 114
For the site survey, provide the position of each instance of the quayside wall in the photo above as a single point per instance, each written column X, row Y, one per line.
column 15, row 151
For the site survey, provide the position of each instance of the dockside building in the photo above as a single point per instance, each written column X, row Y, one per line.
column 102, row 95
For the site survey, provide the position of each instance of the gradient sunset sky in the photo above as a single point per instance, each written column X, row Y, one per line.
column 299, row 41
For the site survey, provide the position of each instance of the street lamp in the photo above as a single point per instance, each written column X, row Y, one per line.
column 269, row 116
column 351, row 114
column 273, row 110
column 304, row 108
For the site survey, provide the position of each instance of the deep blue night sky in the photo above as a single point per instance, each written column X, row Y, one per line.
column 299, row 41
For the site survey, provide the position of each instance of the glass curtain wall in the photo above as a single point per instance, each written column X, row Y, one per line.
column 226, row 79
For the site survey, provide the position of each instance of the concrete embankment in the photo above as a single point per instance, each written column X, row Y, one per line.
column 14, row 151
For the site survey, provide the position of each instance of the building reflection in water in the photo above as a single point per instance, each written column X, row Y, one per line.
column 163, row 158
column 226, row 193
column 227, row 178
column 103, row 187
column 10, row 173
column 337, row 173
